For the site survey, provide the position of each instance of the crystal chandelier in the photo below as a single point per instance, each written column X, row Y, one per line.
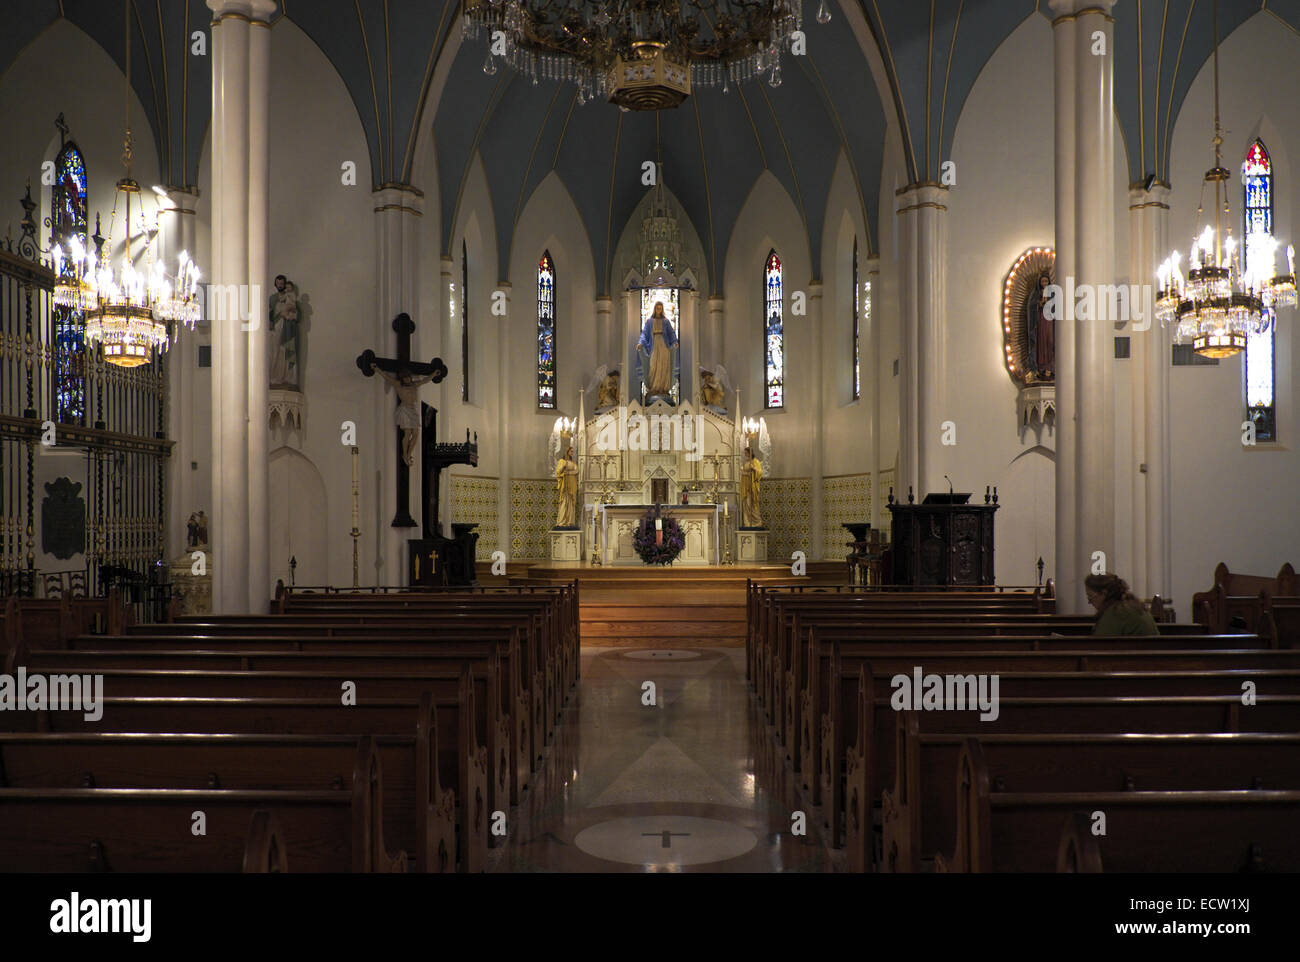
column 128, row 312
column 1217, row 304
column 639, row 54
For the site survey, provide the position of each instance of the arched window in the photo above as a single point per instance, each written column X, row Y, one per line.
column 67, row 220
column 546, row 332
column 464, row 322
column 1258, row 368
column 773, row 334
column 857, row 321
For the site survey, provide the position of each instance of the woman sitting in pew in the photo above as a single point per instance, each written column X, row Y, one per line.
column 1119, row 612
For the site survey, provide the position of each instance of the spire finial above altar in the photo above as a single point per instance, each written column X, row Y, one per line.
column 661, row 239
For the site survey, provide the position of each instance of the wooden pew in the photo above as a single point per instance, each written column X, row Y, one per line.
column 830, row 692
column 1236, row 595
column 11, row 632
column 46, row 829
column 509, row 734
column 870, row 760
column 919, row 809
column 541, row 669
column 462, row 723
column 1146, row 831
column 307, row 674
column 419, row 816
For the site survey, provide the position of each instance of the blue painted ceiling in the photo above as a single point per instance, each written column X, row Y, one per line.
column 713, row 148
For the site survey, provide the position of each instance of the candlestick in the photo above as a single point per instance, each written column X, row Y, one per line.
column 356, row 514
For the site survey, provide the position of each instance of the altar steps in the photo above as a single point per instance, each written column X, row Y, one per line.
column 670, row 623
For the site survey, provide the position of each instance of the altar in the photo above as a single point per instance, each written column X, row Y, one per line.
column 615, row 524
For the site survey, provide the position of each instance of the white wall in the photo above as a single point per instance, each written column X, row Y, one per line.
column 549, row 221
column 770, row 220
column 1231, row 503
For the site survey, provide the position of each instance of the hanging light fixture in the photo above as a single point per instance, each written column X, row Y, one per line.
column 638, row 54
column 129, row 311
column 1217, row 304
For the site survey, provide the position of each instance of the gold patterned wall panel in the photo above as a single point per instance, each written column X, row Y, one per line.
column 846, row 498
column 533, row 505
column 474, row 500
column 786, row 506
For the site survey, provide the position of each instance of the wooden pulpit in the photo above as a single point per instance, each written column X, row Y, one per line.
column 942, row 541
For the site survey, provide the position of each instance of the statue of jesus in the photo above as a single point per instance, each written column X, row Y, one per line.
column 658, row 340
column 408, row 411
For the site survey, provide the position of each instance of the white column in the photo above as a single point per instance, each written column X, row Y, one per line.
column 1148, row 239
column 449, row 336
column 1068, row 570
column 507, row 393
column 259, row 362
column 816, row 317
column 177, row 226
column 604, row 333
column 717, row 337
column 398, row 209
column 923, row 239
column 871, row 363
column 230, row 148
column 1094, row 265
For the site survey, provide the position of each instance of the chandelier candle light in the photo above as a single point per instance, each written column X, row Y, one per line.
column 640, row 54
column 1217, row 304
column 128, row 313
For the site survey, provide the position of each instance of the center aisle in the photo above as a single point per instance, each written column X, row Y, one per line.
column 684, row 785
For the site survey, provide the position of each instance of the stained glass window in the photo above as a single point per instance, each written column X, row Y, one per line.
column 464, row 322
column 1258, row 367
column 546, row 332
column 68, row 203
column 857, row 319
column 773, row 333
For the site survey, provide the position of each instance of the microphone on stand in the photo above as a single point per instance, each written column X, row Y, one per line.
column 949, row 480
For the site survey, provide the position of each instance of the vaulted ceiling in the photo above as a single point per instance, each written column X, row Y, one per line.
column 713, row 148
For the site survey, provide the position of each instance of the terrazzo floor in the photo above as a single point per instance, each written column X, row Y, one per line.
column 688, row 784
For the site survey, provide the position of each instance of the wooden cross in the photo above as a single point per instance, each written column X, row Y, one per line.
column 435, row 370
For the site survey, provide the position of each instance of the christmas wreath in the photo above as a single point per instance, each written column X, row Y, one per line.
column 662, row 551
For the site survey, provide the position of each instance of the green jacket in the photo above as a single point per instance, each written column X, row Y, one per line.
column 1125, row 619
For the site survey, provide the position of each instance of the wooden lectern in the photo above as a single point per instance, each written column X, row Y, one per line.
column 942, row 541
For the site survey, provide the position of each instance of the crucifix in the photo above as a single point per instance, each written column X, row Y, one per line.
column 406, row 376
column 666, row 835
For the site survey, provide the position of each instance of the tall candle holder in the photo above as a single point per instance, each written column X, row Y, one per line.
column 356, row 515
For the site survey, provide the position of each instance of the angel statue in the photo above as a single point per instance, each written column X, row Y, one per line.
column 605, row 386
column 713, row 389
column 751, row 474
column 658, row 338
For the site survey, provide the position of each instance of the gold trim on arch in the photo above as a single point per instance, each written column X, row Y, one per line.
column 924, row 203
column 883, row 42
column 1085, row 12
column 405, row 188
column 401, row 207
column 919, row 184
